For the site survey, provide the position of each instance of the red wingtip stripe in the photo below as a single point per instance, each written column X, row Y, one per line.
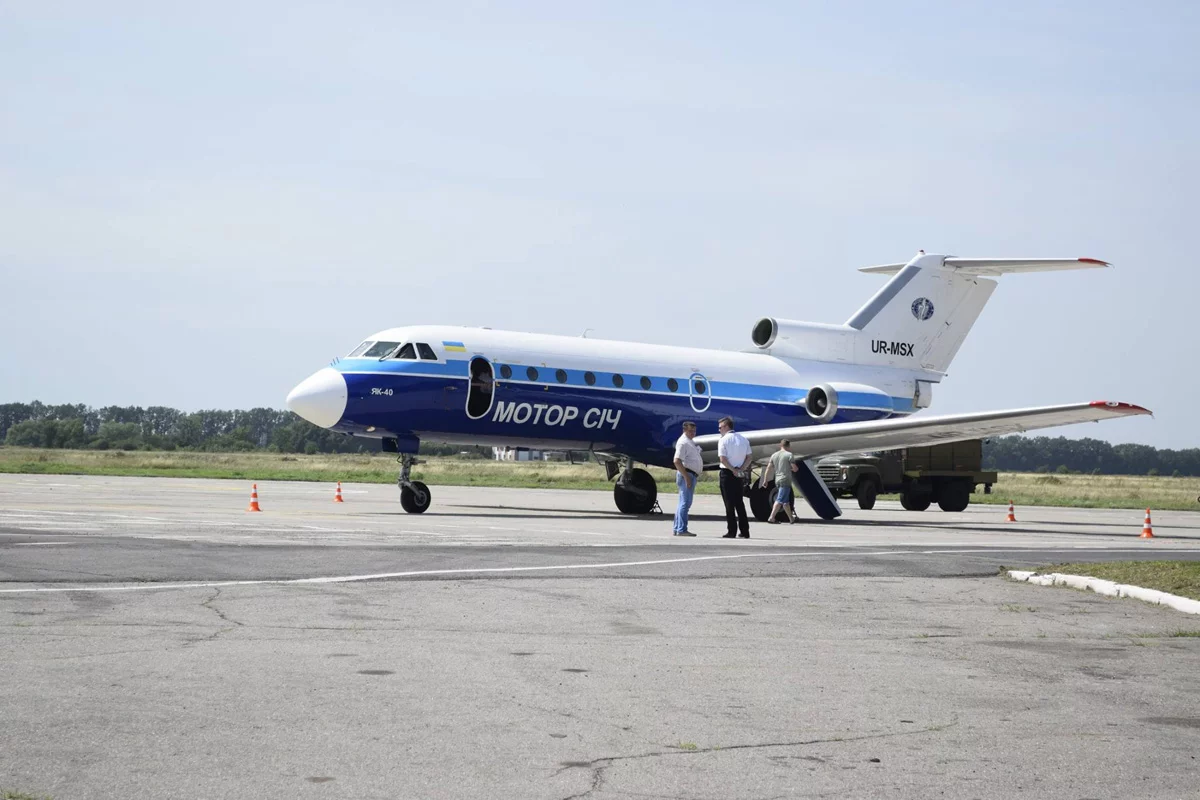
column 1122, row 408
column 1093, row 261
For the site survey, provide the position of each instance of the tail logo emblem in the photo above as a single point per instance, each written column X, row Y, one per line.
column 922, row 308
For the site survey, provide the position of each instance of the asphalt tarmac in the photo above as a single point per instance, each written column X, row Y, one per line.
column 160, row 641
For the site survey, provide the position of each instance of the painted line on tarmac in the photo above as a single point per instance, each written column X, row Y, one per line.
column 475, row 571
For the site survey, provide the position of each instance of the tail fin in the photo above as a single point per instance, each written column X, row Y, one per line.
column 925, row 311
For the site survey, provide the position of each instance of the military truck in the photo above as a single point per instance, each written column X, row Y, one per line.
column 946, row 474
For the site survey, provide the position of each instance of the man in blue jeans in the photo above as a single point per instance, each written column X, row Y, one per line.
column 688, row 464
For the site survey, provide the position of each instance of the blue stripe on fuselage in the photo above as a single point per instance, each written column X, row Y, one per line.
column 728, row 390
column 643, row 424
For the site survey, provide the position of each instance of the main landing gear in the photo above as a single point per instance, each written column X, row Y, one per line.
column 635, row 492
column 414, row 495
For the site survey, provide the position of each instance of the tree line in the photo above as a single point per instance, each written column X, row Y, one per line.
column 78, row 426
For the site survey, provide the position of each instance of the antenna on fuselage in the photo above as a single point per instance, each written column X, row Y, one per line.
column 585, row 333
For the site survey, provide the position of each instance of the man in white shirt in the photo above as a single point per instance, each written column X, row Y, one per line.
column 689, row 464
column 734, row 452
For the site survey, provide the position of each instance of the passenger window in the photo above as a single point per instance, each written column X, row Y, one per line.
column 380, row 349
column 673, row 384
column 618, row 381
column 358, row 351
column 589, row 379
column 700, row 389
column 407, row 352
column 532, row 373
column 505, row 371
column 560, row 376
column 426, row 352
column 645, row 382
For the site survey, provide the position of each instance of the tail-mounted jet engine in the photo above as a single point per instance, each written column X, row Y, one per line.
column 824, row 400
column 821, row 402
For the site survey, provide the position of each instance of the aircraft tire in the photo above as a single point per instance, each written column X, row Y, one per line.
column 415, row 498
column 638, row 498
column 761, row 501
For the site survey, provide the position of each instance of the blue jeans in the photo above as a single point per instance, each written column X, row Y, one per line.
column 685, row 501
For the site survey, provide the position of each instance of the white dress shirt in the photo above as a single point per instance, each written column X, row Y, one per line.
column 688, row 452
column 734, row 447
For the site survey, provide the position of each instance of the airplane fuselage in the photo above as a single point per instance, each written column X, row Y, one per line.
column 503, row 388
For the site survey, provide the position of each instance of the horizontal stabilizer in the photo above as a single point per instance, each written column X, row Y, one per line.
column 999, row 266
column 811, row 441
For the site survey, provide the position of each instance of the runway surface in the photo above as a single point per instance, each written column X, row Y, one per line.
column 161, row 641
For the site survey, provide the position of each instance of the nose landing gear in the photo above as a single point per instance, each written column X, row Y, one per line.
column 414, row 495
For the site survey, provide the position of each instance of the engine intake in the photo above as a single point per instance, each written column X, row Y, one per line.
column 821, row 403
column 764, row 333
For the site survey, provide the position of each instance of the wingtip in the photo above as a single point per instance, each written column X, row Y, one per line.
column 1121, row 408
column 1095, row 261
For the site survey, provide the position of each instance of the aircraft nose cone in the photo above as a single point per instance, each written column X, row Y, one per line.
column 320, row 398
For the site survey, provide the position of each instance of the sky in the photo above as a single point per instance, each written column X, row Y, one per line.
column 201, row 204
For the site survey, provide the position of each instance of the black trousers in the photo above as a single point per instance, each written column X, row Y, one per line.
column 735, row 503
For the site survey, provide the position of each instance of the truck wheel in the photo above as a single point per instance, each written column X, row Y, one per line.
column 866, row 492
column 915, row 502
column 954, row 496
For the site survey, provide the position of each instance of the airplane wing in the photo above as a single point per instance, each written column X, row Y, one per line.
column 811, row 441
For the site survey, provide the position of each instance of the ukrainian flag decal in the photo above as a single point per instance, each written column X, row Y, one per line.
column 454, row 347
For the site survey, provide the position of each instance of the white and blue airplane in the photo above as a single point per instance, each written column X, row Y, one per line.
column 826, row 388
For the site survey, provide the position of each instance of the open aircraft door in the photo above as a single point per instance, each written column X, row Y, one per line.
column 481, row 389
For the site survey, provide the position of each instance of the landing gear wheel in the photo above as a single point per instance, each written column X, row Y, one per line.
column 954, row 496
column 636, row 492
column 915, row 502
column 415, row 498
column 866, row 492
column 761, row 500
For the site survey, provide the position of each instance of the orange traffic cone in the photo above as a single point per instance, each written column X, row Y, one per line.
column 1011, row 516
column 254, row 499
column 337, row 498
column 1147, row 531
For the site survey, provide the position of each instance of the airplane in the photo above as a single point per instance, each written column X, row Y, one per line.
column 827, row 388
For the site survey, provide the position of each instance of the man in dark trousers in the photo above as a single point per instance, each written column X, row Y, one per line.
column 734, row 452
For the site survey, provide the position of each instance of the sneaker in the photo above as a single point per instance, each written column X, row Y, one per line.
column 685, row 533
column 743, row 536
column 729, row 536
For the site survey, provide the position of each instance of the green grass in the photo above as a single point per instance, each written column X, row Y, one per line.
column 1174, row 577
column 443, row 471
column 1084, row 491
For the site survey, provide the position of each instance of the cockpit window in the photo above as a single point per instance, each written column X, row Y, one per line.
column 380, row 349
column 426, row 352
column 358, row 351
column 407, row 352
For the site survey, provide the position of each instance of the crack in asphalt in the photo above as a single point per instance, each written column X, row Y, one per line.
column 599, row 765
column 209, row 605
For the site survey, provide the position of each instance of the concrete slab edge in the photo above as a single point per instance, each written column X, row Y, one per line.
column 1108, row 588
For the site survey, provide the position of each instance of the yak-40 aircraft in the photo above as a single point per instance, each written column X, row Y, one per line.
column 827, row 388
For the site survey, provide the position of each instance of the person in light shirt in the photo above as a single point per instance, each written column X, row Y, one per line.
column 688, row 464
column 734, row 452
